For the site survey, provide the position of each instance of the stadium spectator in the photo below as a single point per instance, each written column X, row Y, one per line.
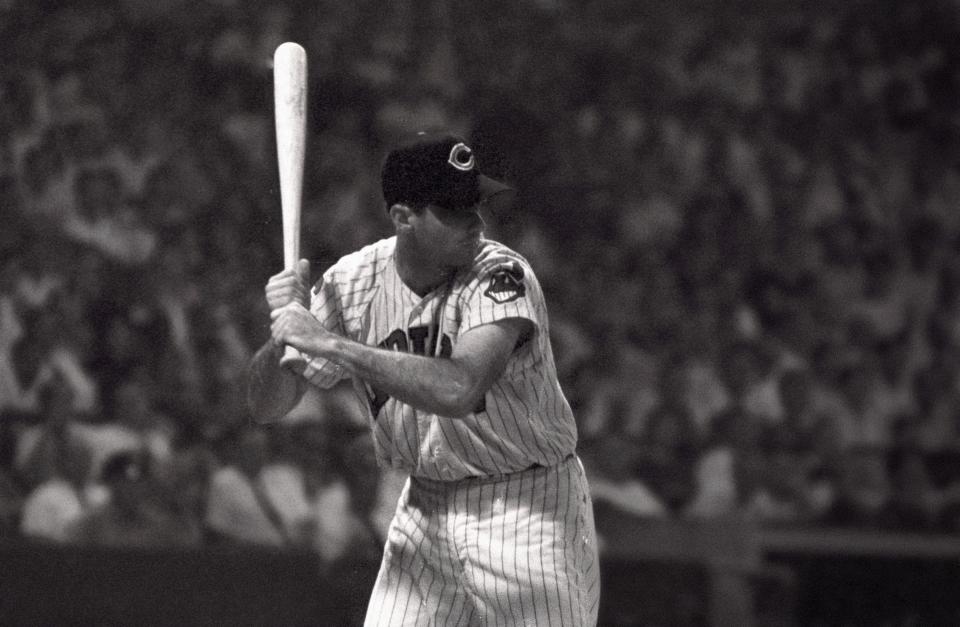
column 863, row 489
column 805, row 428
column 135, row 514
column 793, row 485
column 103, row 222
column 867, row 417
column 239, row 507
column 134, row 412
column 283, row 481
column 728, row 470
column 39, row 340
column 39, row 441
column 668, row 441
column 56, row 506
column 915, row 504
column 14, row 394
column 330, row 462
column 183, row 482
column 349, row 520
column 612, row 463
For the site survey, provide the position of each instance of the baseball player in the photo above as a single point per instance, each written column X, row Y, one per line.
column 445, row 336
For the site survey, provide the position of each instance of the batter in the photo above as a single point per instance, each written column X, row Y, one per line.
column 446, row 338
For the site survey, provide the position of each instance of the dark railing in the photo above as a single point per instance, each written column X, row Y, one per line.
column 655, row 572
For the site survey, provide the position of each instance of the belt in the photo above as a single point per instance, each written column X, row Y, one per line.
column 533, row 466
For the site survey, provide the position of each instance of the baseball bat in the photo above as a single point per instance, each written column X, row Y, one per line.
column 290, row 108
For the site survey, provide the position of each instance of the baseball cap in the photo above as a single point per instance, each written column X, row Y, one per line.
column 438, row 169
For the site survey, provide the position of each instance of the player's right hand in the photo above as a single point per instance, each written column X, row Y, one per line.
column 288, row 286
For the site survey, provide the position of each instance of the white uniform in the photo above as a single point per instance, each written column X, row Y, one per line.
column 495, row 524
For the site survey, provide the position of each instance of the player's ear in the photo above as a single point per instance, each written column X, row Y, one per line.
column 400, row 214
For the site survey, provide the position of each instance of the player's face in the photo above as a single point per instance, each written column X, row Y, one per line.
column 451, row 236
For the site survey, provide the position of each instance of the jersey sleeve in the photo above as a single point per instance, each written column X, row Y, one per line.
column 504, row 288
column 325, row 307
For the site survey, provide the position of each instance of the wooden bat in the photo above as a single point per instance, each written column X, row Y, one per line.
column 290, row 108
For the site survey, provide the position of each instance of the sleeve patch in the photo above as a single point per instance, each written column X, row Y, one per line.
column 506, row 284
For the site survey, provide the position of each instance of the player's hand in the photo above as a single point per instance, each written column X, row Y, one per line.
column 293, row 325
column 290, row 286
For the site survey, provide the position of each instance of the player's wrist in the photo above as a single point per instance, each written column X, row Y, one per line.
column 333, row 348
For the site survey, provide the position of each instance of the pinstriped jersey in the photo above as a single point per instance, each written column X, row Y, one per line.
column 524, row 419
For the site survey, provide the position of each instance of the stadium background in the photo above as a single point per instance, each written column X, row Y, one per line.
column 744, row 216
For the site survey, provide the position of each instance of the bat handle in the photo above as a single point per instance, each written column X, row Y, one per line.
column 292, row 359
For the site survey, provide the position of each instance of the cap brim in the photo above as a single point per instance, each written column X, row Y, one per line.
column 494, row 195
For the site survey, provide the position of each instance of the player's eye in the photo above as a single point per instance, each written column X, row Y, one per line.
column 461, row 157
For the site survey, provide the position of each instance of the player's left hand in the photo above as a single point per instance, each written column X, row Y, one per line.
column 293, row 325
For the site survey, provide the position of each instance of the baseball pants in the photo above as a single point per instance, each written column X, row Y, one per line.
column 512, row 550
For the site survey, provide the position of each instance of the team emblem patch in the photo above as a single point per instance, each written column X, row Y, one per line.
column 506, row 284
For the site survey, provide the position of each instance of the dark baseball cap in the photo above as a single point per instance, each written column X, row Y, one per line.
column 438, row 169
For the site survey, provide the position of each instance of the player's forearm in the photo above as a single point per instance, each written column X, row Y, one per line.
column 434, row 384
column 271, row 390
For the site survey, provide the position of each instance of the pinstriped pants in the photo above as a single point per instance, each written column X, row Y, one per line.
column 512, row 550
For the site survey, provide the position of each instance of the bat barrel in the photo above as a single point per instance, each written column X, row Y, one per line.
column 290, row 100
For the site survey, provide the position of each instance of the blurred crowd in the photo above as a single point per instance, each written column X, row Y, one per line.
column 745, row 224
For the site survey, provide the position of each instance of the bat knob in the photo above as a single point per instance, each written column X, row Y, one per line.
column 293, row 360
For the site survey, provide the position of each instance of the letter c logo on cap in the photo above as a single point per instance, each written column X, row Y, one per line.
column 461, row 157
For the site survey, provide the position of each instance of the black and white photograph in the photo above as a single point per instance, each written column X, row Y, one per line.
column 501, row 313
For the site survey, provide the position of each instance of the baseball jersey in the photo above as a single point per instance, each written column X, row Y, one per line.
column 523, row 420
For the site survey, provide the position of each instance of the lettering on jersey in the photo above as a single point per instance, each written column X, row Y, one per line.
column 419, row 340
column 397, row 340
column 506, row 284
